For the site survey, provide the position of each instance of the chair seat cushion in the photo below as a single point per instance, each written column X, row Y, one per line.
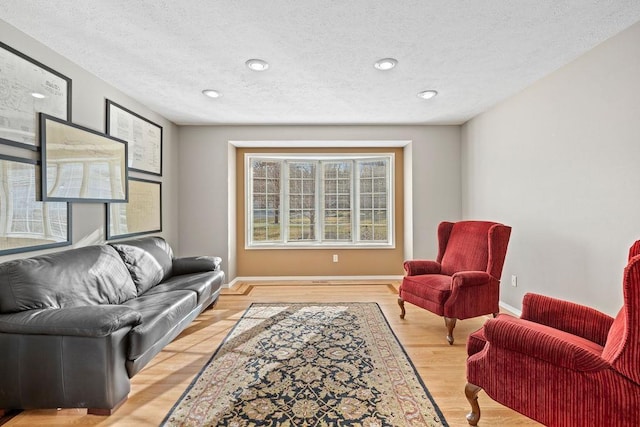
column 435, row 288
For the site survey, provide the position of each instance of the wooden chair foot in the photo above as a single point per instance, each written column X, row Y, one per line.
column 495, row 315
column 401, row 304
column 450, row 323
column 471, row 391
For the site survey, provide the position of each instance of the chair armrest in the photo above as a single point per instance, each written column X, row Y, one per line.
column 541, row 342
column 196, row 264
column 86, row 321
column 417, row 267
column 470, row 278
column 575, row 319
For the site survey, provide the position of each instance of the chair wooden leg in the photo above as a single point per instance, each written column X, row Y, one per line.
column 401, row 304
column 471, row 391
column 450, row 323
column 495, row 315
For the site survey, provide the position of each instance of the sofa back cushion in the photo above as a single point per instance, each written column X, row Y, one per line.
column 148, row 259
column 78, row 277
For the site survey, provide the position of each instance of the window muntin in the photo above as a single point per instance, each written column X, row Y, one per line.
column 337, row 218
column 319, row 200
column 265, row 201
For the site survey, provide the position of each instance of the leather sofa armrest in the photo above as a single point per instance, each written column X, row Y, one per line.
column 198, row 264
column 417, row 267
column 86, row 321
column 541, row 342
column 570, row 317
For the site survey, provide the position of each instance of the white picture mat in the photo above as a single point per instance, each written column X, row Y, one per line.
column 82, row 164
column 142, row 214
column 143, row 136
column 19, row 79
column 25, row 223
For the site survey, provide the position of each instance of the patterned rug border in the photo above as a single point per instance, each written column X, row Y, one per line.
column 226, row 338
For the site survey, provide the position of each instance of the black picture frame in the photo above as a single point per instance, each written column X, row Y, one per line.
column 45, row 212
column 21, row 76
column 140, row 214
column 143, row 135
column 69, row 150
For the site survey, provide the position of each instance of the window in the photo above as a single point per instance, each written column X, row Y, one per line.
column 319, row 200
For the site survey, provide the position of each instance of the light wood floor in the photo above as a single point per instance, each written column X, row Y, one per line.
column 159, row 385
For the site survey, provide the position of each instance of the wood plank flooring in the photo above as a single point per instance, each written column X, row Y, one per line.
column 159, row 385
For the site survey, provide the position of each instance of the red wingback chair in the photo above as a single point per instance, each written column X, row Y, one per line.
column 464, row 280
column 560, row 363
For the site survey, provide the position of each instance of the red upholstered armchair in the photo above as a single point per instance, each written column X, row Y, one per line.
column 464, row 280
column 561, row 363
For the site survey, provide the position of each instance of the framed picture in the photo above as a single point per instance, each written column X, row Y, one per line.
column 144, row 138
column 141, row 215
column 26, row 88
column 25, row 223
column 81, row 164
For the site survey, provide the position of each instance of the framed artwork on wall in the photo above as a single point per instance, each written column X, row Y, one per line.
column 142, row 214
column 144, row 138
column 80, row 164
column 28, row 87
column 27, row 224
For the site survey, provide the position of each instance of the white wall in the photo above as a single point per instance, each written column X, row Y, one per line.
column 205, row 171
column 560, row 163
column 88, row 109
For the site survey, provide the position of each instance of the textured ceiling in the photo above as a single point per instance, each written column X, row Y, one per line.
column 321, row 53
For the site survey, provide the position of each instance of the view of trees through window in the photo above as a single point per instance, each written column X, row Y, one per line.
column 317, row 200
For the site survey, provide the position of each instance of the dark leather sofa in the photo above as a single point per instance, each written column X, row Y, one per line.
column 76, row 325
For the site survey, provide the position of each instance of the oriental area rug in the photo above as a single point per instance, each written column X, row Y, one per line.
column 294, row 364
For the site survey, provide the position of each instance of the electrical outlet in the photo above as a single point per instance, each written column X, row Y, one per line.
column 335, row 257
column 514, row 280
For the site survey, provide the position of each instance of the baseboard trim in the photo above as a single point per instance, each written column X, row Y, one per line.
column 510, row 309
column 275, row 279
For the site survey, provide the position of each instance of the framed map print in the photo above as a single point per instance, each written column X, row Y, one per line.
column 144, row 138
column 141, row 215
column 25, row 223
column 80, row 164
column 26, row 88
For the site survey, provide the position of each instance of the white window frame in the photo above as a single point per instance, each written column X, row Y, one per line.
column 320, row 242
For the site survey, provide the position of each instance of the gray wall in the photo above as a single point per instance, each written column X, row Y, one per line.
column 207, row 193
column 559, row 162
column 88, row 104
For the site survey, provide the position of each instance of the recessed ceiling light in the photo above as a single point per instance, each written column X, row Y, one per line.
column 386, row 64
column 211, row 93
column 427, row 94
column 37, row 95
column 257, row 64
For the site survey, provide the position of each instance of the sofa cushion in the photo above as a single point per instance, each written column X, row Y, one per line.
column 148, row 259
column 203, row 284
column 78, row 277
column 161, row 313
